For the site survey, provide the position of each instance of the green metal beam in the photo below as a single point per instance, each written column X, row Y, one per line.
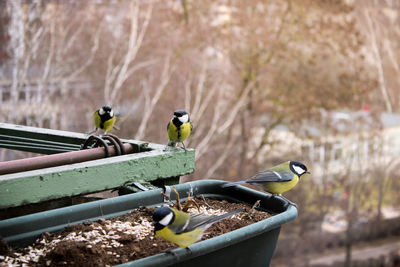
column 93, row 176
column 148, row 163
column 35, row 145
column 40, row 136
column 49, row 141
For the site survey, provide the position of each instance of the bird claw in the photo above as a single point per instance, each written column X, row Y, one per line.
column 288, row 202
column 91, row 132
column 173, row 253
column 184, row 147
column 188, row 250
column 291, row 203
column 169, row 251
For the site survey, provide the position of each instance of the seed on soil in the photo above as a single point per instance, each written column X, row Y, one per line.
column 119, row 240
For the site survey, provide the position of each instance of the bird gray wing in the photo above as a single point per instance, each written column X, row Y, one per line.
column 194, row 221
column 203, row 220
column 271, row 176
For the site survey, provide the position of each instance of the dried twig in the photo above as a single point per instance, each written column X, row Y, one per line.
column 255, row 206
column 190, row 202
column 205, row 202
column 178, row 201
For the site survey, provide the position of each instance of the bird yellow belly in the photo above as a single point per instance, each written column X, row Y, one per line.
column 106, row 126
column 182, row 240
column 109, row 124
column 280, row 187
column 179, row 135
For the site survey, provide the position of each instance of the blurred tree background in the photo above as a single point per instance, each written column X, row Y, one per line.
column 264, row 81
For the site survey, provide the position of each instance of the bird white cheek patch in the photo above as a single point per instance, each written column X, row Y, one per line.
column 166, row 220
column 298, row 169
column 101, row 111
column 111, row 113
column 184, row 118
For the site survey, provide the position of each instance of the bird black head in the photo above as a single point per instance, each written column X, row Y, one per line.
column 106, row 111
column 182, row 116
column 180, row 113
column 162, row 217
column 298, row 168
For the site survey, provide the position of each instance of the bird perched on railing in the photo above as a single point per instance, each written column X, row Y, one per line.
column 104, row 118
column 179, row 128
column 181, row 228
column 278, row 179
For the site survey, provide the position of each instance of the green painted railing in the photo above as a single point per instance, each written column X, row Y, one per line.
column 150, row 163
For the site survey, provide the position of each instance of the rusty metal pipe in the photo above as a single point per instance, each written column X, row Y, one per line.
column 54, row 160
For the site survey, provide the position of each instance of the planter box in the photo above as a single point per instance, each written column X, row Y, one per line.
column 252, row 245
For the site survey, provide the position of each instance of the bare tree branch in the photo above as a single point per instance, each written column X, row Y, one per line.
column 240, row 103
column 221, row 158
column 379, row 65
column 135, row 41
column 165, row 77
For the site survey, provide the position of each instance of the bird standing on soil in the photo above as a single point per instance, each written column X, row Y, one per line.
column 104, row 118
column 179, row 128
column 278, row 179
column 181, row 228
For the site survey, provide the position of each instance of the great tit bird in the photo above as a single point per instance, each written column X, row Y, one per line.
column 181, row 228
column 179, row 128
column 104, row 118
column 278, row 179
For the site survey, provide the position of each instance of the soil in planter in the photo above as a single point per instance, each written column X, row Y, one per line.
column 118, row 240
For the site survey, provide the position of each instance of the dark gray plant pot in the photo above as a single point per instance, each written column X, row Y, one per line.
column 252, row 245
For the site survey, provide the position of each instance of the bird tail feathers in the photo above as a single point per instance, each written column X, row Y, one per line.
column 223, row 216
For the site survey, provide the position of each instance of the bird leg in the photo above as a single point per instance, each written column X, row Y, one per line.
column 184, row 147
column 89, row 133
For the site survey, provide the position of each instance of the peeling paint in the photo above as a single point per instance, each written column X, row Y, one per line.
column 98, row 175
